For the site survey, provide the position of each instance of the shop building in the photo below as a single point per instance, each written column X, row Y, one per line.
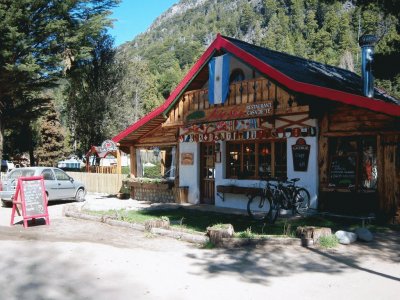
column 244, row 112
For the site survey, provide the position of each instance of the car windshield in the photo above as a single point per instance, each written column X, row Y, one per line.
column 16, row 173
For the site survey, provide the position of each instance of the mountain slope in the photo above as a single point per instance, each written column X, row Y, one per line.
column 324, row 31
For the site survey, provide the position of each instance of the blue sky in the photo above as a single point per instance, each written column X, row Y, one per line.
column 133, row 17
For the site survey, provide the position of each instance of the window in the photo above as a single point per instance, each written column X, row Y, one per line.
column 60, row 175
column 253, row 159
column 353, row 162
column 156, row 162
column 48, row 174
column 236, row 76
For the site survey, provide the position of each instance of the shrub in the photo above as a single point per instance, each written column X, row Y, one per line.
column 328, row 241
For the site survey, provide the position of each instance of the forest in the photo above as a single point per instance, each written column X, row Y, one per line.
column 64, row 86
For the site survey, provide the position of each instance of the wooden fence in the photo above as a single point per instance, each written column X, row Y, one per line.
column 100, row 183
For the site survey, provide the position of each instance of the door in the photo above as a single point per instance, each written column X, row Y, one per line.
column 50, row 184
column 66, row 187
column 207, row 173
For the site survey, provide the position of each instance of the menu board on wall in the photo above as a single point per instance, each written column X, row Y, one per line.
column 301, row 155
column 343, row 170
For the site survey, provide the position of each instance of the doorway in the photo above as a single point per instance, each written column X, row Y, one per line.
column 207, row 173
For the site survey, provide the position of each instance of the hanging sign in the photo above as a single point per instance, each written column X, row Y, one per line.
column 30, row 196
column 301, row 154
column 108, row 145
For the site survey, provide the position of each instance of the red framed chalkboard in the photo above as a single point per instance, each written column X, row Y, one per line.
column 30, row 196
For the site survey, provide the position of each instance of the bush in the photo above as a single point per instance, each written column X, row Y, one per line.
column 328, row 241
column 152, row 172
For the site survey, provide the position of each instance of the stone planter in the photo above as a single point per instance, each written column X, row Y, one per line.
column 158, row 192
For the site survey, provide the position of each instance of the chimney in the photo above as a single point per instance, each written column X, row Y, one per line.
column 367, row 43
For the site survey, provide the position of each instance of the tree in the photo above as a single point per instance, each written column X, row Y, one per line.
column 41, row 39
column 91, row 82
column 51, row 139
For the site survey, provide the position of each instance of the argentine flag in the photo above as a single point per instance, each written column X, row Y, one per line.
column 218, row 79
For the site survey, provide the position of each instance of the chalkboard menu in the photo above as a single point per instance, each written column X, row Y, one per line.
column 34, row 200
column 30, row 195
column 301, row 154
column 343, row 170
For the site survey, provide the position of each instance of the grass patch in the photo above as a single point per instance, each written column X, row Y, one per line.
column 247, row 234
column 197, row 221
column 328, row 241
column 208, row 245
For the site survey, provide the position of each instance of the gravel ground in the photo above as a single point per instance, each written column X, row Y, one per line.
column 78, row 259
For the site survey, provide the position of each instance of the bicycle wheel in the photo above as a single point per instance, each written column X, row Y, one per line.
column 258, row 207
column 302, row 201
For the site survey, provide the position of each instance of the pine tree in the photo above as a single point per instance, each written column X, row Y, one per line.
column 51, row 135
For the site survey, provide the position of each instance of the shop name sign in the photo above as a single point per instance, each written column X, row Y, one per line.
column 232, row 112
column 222, row 136
column 259, row 109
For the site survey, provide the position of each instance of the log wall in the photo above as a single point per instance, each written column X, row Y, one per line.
column 345, row 120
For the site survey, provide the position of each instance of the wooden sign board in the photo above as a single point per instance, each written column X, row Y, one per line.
column 30, row 196
column 233, row 112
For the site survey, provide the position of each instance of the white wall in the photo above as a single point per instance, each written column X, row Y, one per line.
column 231, row 200
column 308, row 179
column 189, row 175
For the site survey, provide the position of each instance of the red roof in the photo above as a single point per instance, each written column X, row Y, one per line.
column 228, row 45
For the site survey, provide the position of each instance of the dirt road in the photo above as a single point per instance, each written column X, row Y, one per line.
column 76, row 259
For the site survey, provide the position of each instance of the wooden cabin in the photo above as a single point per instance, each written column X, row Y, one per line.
column 284, row 116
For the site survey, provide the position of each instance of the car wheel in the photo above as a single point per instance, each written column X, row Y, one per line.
column 80, row 195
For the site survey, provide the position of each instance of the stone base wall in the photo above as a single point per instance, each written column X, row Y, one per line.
column 154, row 195
column 158, row 193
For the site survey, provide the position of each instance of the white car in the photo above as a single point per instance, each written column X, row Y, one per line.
column 58, row 184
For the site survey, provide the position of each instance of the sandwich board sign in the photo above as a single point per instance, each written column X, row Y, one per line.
column 30, row 196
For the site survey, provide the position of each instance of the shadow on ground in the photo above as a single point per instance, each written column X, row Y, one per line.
column 259, row 264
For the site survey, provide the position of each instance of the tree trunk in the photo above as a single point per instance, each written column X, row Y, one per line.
column 1, row 134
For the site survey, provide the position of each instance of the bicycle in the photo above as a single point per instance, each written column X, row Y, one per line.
column 259, row 205
column 273, row 198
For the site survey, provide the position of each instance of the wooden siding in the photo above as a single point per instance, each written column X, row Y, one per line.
column 344, row 120
column 249, row 91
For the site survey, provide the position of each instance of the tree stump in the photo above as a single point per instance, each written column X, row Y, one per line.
column 156, row 223
column 312, row 233
column 217, row 232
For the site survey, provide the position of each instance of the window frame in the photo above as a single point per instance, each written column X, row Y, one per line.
column 241, row 173
column 360, row 142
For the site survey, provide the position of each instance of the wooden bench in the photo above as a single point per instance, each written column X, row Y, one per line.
column 362, row 218
column 232, row 189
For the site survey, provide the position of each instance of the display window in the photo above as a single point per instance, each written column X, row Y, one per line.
column 353, row 163
column 256, row 159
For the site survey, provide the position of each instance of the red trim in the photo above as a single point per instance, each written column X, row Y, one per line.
column 301, row 87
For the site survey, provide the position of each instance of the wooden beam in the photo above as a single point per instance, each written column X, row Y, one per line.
column 132, row 151
column 119, row 167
